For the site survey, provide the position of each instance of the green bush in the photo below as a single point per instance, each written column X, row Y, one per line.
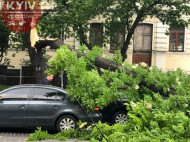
column 39, row 135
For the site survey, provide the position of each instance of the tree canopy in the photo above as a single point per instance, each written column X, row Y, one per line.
column 4, row 34
column 117, row 15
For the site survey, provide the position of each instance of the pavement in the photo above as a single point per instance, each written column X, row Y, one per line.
column 21, row 137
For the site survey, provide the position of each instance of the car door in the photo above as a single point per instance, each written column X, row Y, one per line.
column 43, row 107
column 13, row 105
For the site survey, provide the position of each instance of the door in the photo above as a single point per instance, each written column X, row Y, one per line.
column 43, row 107
column 13, row 105
column 139, row 57
column 142, row 51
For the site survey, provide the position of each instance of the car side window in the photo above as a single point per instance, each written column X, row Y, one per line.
column 16, row 94
column 60, row 95
column 44, row 94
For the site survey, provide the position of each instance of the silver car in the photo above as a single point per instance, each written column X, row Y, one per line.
column 41, row 106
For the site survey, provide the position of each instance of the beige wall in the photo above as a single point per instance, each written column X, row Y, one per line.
column 174, row 60
column 187, row 39
column 16, row 61
column 45, row 4
column 153, row 59
column 171, row 60
column 129, row 57
column 70, row 41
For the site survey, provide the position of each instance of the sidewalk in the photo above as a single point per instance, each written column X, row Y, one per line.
column 17, row 135
column 23, row 139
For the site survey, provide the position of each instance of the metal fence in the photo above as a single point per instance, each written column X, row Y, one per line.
column 24, row 75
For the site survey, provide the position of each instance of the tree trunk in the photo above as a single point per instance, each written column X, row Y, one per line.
column 37, row 60
column 1, row 53
column 130, row 34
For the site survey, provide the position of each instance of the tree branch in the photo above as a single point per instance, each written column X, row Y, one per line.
column 54, row 44
column 101, row 62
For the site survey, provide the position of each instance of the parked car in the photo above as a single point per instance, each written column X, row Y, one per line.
column 115, row 112
column 41, row 106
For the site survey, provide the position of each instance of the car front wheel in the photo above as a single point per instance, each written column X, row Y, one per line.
column 66, row 122
column 120, row 117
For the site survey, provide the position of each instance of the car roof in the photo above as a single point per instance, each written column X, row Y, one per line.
column 35, row 85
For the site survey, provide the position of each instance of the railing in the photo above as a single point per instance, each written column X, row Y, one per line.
column 24, row 75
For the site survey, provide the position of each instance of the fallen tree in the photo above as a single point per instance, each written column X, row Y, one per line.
column 115, row 78
column 151, row 117
column 103, row 63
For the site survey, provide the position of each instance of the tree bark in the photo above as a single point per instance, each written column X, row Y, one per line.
column 37, row 60
column 1, row 53
column 113, row 66
column 129, row 35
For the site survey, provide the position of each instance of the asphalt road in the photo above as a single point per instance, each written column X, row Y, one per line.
column 20, row 135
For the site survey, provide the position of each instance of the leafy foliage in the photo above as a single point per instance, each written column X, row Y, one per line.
column 91, row 88
column 157, row 128
column 158, row 119
column 69, row 16
column 151, row 116
column 39, row 135
column 4, row 34
column 76, row 14
column 9, row 39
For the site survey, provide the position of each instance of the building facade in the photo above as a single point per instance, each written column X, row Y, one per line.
column 150, row 44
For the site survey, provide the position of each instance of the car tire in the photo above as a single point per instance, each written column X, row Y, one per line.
column 66, row 122
column 119, row 117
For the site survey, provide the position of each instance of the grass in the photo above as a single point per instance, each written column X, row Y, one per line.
column 2, row 87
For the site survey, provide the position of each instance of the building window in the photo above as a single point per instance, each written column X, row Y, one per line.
column 96, row 34
column 117, row 40
column 176, row 40
column 143, row 37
